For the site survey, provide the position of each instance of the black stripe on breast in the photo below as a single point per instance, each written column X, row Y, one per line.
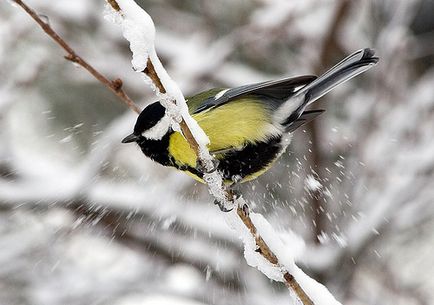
column 157, row 150
column 253, row 158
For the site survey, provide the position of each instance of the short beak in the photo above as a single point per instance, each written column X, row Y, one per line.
column 131, row 138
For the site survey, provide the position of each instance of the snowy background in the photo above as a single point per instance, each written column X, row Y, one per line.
column 86, row 220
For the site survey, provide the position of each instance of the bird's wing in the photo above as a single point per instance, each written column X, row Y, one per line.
column 274, row 92
column 217, row 148
column 196, row 101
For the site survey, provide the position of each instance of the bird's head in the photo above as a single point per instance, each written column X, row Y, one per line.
column 152, row 124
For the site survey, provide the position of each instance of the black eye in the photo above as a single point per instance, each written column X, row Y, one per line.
column 150, row 116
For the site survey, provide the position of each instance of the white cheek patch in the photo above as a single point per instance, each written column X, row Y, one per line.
column 159, row 130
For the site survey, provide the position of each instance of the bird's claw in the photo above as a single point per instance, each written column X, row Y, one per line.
column 222, row 206
column 236, row 194
column 206, row 170
column 245, row 209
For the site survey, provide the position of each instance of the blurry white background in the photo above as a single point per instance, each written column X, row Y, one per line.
column 87, row 220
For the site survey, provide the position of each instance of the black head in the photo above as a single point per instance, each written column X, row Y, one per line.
column 147, row 119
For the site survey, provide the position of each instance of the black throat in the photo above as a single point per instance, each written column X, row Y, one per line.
column 157, row 150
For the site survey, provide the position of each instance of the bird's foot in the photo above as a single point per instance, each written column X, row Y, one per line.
column 223, row 207
column 235, row 193
column 202, row 168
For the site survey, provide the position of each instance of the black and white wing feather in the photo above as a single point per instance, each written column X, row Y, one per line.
column 275, row 92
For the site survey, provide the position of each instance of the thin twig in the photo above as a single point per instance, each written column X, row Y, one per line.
column 242, row 211
column 115, row 86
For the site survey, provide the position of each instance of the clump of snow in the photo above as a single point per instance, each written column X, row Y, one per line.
column 312, row 184
column 214, row 181
column 317, row 292
column 253, row 258
column 183, row 279
column 285, row 246
column 138, row 28
column 286, row 250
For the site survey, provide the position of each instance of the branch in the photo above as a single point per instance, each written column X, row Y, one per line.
column 115, row 86
column 201, row 150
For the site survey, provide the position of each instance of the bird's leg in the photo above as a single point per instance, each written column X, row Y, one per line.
column 234, row 187
column 234, row 195
column 222, row 206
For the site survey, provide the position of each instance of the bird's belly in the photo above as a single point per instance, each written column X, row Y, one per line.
column 246, row 164
column 250, row 162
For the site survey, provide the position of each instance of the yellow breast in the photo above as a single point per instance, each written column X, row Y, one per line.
column 229, row 126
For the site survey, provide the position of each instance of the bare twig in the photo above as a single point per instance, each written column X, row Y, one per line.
column 115, row 86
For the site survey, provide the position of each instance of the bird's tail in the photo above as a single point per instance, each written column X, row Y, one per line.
column 349, row 67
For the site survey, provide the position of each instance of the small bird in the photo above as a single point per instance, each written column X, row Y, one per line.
column 248, row 127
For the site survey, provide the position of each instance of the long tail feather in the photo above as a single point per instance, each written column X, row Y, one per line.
column 351, row 66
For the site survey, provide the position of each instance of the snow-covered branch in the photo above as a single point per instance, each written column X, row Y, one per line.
column 138, row 28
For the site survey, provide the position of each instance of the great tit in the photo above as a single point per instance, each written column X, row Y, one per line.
column 248, row 127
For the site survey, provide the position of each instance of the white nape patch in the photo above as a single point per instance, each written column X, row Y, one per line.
column 158, row 130
column 220, row 94
column 284, row 111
